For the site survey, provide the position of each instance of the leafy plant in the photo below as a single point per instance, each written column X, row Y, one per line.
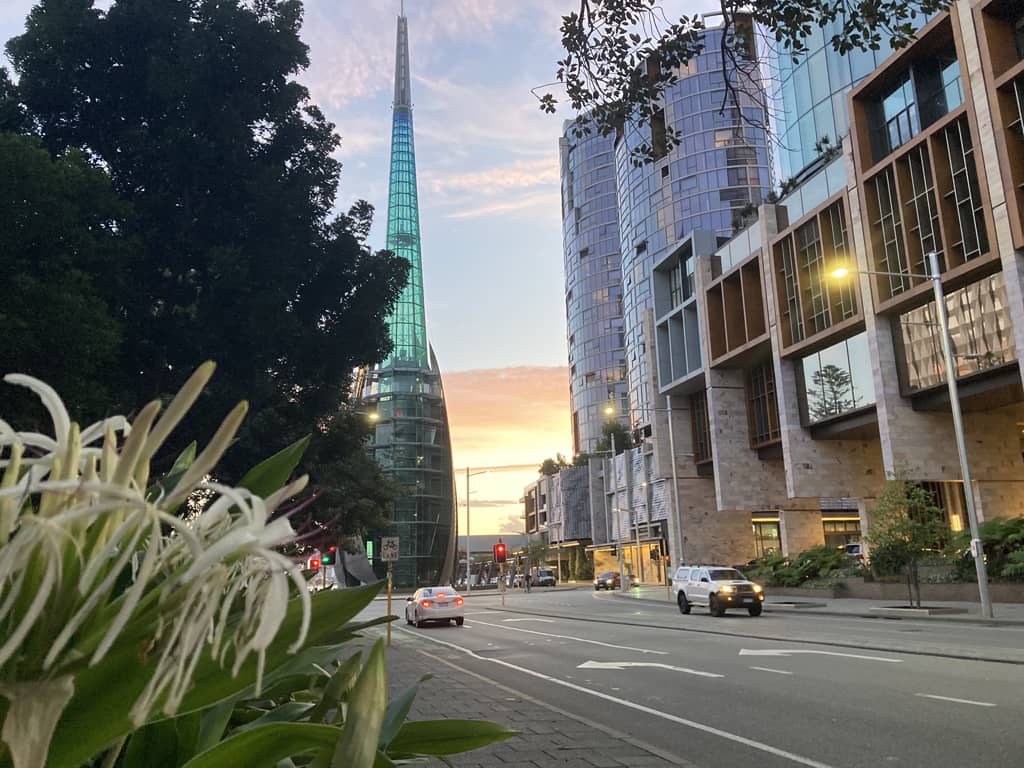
column 134, row 634
column 906, row 524
column 1002, row 539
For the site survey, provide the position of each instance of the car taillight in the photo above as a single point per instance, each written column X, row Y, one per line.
column 459, row 601
column 425, row 603
column 440, row 595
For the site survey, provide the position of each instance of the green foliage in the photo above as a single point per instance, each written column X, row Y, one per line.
column 63, row 265
column 554, row 466
column 192, row 109
column 621, row 55
column 823, row 563
column 1003, row 541
column 623, row 438
column 905, row 525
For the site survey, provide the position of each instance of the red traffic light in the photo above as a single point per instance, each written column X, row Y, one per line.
column 315, row 564
column 500, row 553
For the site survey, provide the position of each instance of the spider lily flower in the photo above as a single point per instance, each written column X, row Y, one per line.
column 75, row 520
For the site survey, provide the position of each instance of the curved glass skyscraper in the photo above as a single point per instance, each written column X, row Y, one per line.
column 411, row 441
column 719, row 166
column 593, row 283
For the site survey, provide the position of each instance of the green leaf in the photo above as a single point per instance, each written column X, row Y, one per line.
column 97, row 714
column 267, row 745
column 339, row 684
column 166, row 744
column 358, row 745
column 168, row 481
column 282, row 713
column 271, row 474
column 397, row 711
column 214, row 721
column 447, row 737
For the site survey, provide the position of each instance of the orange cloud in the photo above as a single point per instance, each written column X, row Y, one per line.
column 504, row 417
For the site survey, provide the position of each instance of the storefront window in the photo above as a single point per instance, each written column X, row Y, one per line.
column 766, row 537
column 838, row 380
column 841, row 532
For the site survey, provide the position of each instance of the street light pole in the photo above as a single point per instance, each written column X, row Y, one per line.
column 958, row 428
column 469, row 551
column 935, row 275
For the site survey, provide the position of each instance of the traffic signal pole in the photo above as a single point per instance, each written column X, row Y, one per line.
column 389, row 603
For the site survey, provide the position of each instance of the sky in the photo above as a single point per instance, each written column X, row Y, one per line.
column 488, row 178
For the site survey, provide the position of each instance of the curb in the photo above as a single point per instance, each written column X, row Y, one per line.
column 776, row 608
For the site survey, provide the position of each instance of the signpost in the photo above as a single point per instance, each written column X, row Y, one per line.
column 389, row 553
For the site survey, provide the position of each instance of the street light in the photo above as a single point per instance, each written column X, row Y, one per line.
column 954, row 404
column 469, row 551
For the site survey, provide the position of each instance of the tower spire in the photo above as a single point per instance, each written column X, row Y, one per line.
column 403, row 93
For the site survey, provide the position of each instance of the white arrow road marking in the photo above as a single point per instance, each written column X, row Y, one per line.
column 776, row 671
column 546, row 621
column 627, row 664
column 791, row 651
column 570, row 637
column 958, row 701
column 734, row 737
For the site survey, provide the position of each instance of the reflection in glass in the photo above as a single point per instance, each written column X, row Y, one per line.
column 979, row 327
column 838, row 379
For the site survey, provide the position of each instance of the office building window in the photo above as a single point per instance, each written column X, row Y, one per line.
column 762, row 405
column 896, row 119
column 841, row 532
column 838, row 380
column 922, row 212
column 846, row 300
column 888, row 232
column 701, row 428
column 808, row 243
column 965, row 194
column 979, row 327
column 791, row 312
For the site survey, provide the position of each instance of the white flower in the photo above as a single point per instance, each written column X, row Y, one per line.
column 74, row 518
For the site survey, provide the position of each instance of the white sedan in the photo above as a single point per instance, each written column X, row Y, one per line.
column 434, row 604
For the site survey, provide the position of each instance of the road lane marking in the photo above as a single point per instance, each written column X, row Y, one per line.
column 791, row 651
column 656, row 665
column 791, row 756
column 958, row 701
column 546, row 621
column 776, row 671
column 570, row 637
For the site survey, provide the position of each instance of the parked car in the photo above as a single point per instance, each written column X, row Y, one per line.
column 607, row 580
column 854, row 550
column 437, row 604
column 717, row 587
column 544, row 577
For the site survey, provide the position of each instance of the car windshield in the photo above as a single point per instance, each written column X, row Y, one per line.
column 727, row 574
column 608, row 575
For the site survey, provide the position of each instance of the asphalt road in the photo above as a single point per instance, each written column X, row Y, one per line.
column 778, row 690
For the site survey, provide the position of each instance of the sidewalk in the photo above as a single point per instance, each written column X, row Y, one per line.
column 1010, row 614
column 547, row 736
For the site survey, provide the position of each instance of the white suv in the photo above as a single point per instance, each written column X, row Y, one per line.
column 717, row 587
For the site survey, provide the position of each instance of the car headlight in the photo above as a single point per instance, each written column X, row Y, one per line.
column 727, row 588
column 758, row 588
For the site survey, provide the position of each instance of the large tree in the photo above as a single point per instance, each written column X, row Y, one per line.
column 62, row 253
column 193, row 109
column 621, row 55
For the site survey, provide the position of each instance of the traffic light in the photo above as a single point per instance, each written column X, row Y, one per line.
column 314, row 564
column 328, row 557
column 500, row 553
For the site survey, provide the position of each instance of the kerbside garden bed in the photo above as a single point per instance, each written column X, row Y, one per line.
column 1005, row 592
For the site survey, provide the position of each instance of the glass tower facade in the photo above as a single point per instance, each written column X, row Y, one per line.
column 593, row 283
column 411, row 441
column 810, row 93
column 718, row 167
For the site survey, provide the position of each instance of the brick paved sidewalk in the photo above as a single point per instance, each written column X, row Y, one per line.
column 548, row 736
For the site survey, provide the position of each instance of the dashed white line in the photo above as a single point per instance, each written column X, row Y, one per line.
column 776, row 671
column 955, row 700
column 791, row 756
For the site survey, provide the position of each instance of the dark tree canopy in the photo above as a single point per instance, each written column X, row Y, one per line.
column 192, row 109
column 621, row 55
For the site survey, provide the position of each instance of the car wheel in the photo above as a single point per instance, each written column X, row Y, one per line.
column 458, row 621
column 597, row 588
column 419, row 623
column 716, row 609
column 756, row 610
column 684, row 604
column 407, row 619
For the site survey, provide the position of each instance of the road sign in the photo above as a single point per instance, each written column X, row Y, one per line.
column 389, row 548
